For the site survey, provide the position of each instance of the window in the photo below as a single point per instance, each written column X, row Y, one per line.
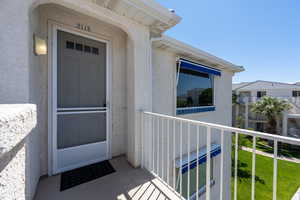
column 70, row 45
column 296, row 93
column 193, row 180
column 261, row 94
column 194, row 89
column 197, row 161
column 95, row 50
column 87, row 49
column 79, row 47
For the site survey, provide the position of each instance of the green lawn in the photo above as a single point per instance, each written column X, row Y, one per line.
column 262, row 145
column 288, row 178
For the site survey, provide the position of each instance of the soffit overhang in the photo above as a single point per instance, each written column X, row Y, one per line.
column 146, row 12
column 186, row 51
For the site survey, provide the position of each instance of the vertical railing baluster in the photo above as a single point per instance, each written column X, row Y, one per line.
column 174, row 155
column 158, row 149
column 162, row 148
column 146, row 144
column 189, row 161
column 208, row 160
column 168, row 150
column 197, row 172
column 142, row 140
column 180, row 172
column 222, row 164
column 236, row 165
column 158, row 154
column 253, row 168
column 153, row 141
column 275, row 170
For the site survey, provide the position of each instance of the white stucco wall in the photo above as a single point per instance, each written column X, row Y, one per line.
column 24, row 76
column 19, row 152
column 118, row 40
column 272, row 92
column 164, row 101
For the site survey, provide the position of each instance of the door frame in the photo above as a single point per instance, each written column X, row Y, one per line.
column 53, row 28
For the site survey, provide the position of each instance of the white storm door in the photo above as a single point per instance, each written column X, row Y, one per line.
column 81, row 120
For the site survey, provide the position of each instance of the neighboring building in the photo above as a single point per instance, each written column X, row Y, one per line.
column 257, row 89
column 249, row 92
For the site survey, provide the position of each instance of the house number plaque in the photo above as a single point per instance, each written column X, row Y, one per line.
column 83, row 27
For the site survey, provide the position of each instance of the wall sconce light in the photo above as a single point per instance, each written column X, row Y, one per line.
column 39, row 46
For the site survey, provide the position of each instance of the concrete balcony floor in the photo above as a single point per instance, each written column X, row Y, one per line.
column 127, row 183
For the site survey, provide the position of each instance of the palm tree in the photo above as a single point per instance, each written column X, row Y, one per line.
column 271, row 108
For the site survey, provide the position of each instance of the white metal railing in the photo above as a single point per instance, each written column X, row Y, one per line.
column 167, row 139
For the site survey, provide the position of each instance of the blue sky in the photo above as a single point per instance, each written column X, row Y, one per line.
column 261, row 35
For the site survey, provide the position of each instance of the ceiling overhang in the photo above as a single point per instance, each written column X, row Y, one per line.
column 186, row 51
column 146, row 12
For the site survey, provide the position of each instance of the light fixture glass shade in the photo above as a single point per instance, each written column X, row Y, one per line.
column 40, row 46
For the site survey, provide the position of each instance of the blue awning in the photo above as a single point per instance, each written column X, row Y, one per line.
column 215, row 150
column 186, row 64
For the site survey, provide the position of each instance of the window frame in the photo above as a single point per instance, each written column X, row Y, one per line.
column 196, row 109
column 201, row 189
column 261, row 92
column 297, row 92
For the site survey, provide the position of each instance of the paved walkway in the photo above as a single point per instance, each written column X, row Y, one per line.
column 295, row 160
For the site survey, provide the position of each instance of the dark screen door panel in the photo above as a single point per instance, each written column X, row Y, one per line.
column 81, row 86
column 81, row 72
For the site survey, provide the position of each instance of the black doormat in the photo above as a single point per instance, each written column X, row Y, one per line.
column 85, row 174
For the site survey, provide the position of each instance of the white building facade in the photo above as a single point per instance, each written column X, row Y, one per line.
column 49, row 56
column 250, row 92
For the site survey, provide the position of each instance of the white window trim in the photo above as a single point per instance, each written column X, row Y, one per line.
column 175, row 92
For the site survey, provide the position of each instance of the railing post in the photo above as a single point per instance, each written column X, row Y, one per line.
column 236, row 164
column 222, row 165
column 253, row 168
column 208, row 160
column 153, row 138
column 188, row 151
column 142, row 139
column 168, row 150
column 174, row 155
column 157, row 152
column 162, row 148
column 180, row 172
column 275, row 170
column 197, row 174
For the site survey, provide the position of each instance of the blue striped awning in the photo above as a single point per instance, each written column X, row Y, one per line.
column 215, row 150
column 186, row 64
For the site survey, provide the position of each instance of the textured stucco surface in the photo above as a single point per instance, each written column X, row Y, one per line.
column 118, row 39
column 19, row 162
column 164, row 101
column 23, row 77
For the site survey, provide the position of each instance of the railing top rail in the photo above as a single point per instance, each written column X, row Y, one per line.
column 278, row 138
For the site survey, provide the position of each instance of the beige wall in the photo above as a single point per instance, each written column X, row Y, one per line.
column 164, row 101
column 118, row 40
column 164, row 90
column 24, row 76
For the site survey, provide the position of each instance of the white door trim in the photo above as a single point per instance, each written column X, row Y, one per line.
column 53, row 28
